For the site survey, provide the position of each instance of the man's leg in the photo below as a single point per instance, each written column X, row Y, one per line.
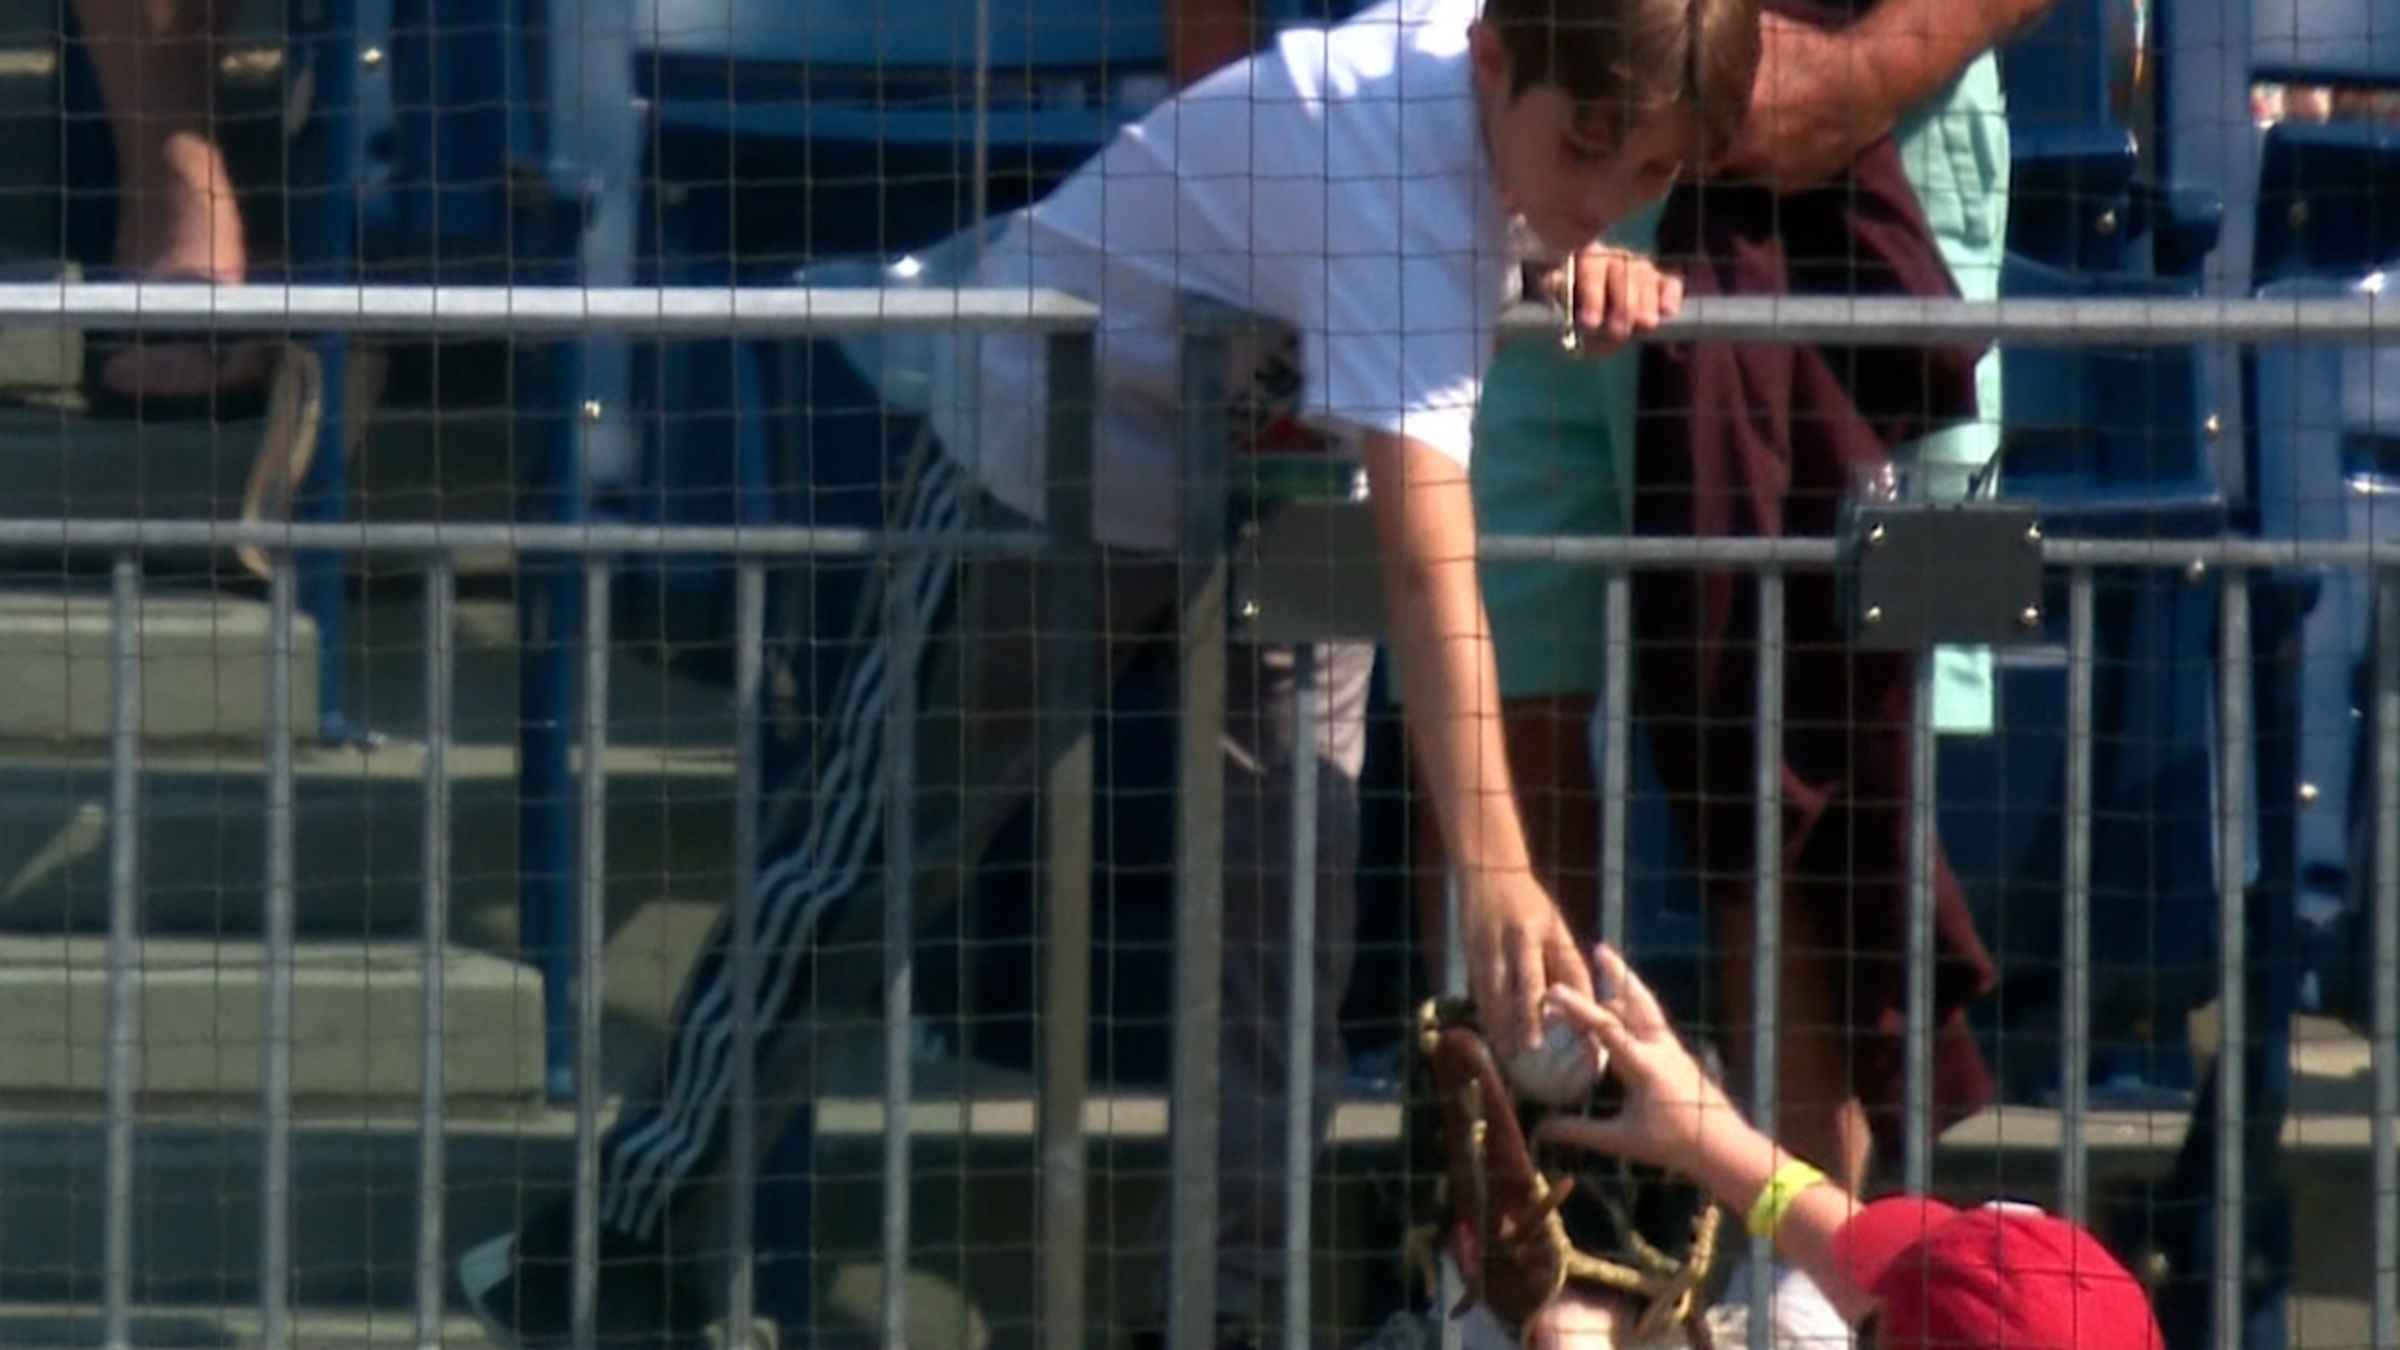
column 1261, row 695
column 1254, row 1066
column 177, row 218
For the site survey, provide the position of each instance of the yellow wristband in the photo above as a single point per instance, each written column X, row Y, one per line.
column 1785, row 1186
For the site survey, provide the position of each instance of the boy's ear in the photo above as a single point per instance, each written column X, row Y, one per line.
column 1490, row 59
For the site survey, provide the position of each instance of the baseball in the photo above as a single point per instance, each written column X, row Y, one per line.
column 1561, row 1070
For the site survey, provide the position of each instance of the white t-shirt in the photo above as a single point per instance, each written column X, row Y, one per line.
column 1336, row 182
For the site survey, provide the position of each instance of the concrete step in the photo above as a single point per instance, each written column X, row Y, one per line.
column 357, row 837
column 204, row 666
column 69, row 1326
column 359, row 812
column 407, row 464
column 973, row 1149
column 196, row 1194
column 357, row 1019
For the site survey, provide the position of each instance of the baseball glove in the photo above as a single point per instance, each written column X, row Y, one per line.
column 1529, row 1223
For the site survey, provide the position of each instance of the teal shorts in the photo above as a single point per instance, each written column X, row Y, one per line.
column 1553, row 455
column 1554, row 435
column 1956, row 154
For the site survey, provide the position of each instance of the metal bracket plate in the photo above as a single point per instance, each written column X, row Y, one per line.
column 1305, row 571
column 1914, row 574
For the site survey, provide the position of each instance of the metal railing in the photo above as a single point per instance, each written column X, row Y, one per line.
column 1067, row 784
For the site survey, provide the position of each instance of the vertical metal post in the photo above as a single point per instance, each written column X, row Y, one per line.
column 1070, row 655
column 1767, row 892
column 275, row 1077
column 899, row 790
column 2233, row 789
column 1450, row 1288
column 124, row 1066
column 749, row 664
column 2384, row 925
column 548, row 617
column 2075, row 1018
column 980, row 185
column 441, row 589
column 590, row 938
column 1616, row 778
column 1199, row 850
column 1917, row 1106
column 347, row 96
column 1299, row 1138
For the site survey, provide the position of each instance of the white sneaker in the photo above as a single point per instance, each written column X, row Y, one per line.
column 1802, row 1318
column 1403, row 1331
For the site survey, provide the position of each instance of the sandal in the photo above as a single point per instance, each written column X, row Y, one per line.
column 245, row 401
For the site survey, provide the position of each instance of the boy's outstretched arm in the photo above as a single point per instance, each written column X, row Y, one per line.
column 1675, row 1116
column 1517, row 942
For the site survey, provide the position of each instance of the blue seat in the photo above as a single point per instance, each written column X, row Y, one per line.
column 2326, row 428
column 2303, row 217
column 2109, row 442
column 782, row 135
column 2324, row 202
column 787, row 138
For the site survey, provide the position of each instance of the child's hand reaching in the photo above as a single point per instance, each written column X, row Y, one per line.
column 1673, row 1110
column 1611, row 295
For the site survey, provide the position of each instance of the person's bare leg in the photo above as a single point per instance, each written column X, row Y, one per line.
column 178, row 219
column 1816, row 1116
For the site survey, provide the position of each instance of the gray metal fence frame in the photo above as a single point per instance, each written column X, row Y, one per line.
column 534, row 314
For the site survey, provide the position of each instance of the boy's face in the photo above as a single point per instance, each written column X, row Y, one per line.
column 1556, row 164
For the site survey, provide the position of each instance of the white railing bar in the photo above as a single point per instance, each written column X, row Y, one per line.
column 591, row 941
column 2383, row 1006
column 441, row 597
column 281, row 922
column 1616, row 762
column 1300, row 1056
column 899, row 792
column 432, row 537
column 124, row 1061
column 1199, row 951
column 772, row 311
column 741, row 1199
column 1890, row 320
column 2233, row 959
column 1766, row 899
column 1641, row 553
column 543, row 311
column 2075, row 1015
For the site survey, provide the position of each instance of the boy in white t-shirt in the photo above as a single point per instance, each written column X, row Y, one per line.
column 1380, row 190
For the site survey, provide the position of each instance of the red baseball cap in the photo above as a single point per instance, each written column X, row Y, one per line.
column 2000, row 1276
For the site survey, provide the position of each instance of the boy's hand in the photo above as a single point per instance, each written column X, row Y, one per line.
column 1610, row 296
column 1673, row 1110
column 1518, row 945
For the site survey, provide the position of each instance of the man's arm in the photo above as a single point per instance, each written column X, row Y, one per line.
column 1516, row 941
column 1915, row 47
column 1822, row 96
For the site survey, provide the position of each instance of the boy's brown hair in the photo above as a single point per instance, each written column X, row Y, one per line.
column 1632, row 60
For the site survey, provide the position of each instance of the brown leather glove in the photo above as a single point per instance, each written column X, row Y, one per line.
column 1532, row 1223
